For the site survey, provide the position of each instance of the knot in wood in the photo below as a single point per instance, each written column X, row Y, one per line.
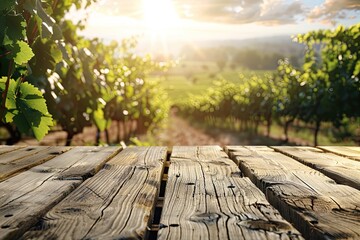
column 205, row 217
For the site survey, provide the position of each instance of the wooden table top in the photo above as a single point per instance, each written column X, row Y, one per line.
column 187, row 192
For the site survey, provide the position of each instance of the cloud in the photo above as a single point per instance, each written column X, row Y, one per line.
column 276, row 12
column 332, row 10
column 268, row 12
column 264, row 12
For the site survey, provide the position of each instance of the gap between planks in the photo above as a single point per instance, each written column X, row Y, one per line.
column 155, row 225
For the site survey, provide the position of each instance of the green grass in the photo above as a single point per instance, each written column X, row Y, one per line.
column 192, row 77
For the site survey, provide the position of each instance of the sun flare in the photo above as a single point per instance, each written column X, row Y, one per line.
column 160, row 15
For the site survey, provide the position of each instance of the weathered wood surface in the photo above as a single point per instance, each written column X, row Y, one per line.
column 26, row 197
column 18, row 154
column 5, row 149
column 350, row 152
column 20, row 159
column 341, row 169
column 206, row 198
column 318, row 207
column 114, row 204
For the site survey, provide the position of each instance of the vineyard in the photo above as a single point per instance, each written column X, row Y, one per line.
column 325, row 90
column 53, row 78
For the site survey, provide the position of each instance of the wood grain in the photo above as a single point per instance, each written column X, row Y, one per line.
column 26, row 197
column 341, row 169
column 14, row 162
column 206, row 198
column 18, row 154
column 318, row 207
column 6, row 149
column 114, row 204
column 345, row 151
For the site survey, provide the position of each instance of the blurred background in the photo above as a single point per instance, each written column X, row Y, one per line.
column 180, row 72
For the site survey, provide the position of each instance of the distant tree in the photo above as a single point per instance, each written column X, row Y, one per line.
column 333, row 73
column 290, row 96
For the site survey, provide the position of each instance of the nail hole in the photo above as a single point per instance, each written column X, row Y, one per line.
column 162, row 226
column 5, row 226
column 174, row 225
column 8, row 215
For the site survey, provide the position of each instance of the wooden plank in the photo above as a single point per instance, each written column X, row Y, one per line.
column 206, row 198
column 318, row 207
column 341, row 169
column 37, row 155
column 18, row 154
column 26, row 197
column 6, row 149
column 345, row 151
column 114, row 204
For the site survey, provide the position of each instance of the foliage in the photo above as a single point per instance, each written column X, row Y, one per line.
column 49, row 73
column 26, row 26
column 332, row 76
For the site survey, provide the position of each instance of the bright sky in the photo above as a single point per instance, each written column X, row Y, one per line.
column 190, row 20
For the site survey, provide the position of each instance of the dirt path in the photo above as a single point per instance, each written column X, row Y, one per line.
column 181, row 132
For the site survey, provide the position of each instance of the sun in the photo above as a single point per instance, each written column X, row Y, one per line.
column 160, row 15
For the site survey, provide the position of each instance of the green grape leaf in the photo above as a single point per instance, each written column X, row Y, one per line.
column 30, row 119
column 6, row 4
column 15, row 29
column 10, row 97
column 33, row 97
column 21, row 53
column 57, row 33
column 44, row 29
column 10, row 104
column 26, row 107
column 99, row 119
column 46, row 24
column 47, row 55
column 32, row 111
